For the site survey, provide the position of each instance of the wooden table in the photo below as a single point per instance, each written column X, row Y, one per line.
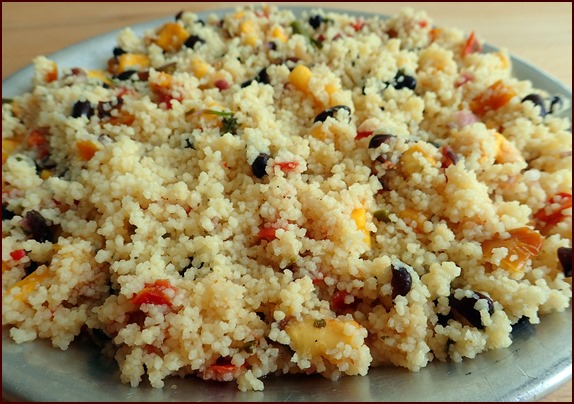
column 540, row 33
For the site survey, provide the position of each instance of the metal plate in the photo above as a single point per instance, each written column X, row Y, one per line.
column 538, row 362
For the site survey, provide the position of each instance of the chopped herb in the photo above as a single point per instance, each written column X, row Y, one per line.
column 298, row 28
column 218, row 113
column 168, row 68
column 382, row 215
column 320, row 323
column 229, row 125
column 250, row 346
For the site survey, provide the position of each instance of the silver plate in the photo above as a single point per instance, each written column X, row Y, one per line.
column 538, row 361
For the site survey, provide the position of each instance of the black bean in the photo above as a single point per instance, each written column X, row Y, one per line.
column 442, row 319
column 263, row 76
column 32, row 266
column 401, row 281
column 536, row 100
column 35, row 224
column 118, row 51
column 126, row 75
column 315, row 21
column 565, row 258
column 404, row 81
column 556, row 104
column 6, row 214
column 272, row 45
column 192, row 40
column 465, row 308
column 178, row 15
column 330, row 112
column 449, row 156
column 82, row 108
column 259, row 165
column 378, row 140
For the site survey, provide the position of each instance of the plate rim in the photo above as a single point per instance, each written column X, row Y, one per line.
column 558, row 378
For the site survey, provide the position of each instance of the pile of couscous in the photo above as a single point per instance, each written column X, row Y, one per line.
column 262, row 193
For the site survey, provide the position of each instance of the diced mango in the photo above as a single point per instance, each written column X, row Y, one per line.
column 171, row 36
column 412, row 218
column 317, row 131
column 52, row 73
column 45, row 174
column 279, row 34
column 310, row 341
column 494, row 97
column 506, row 151
column 29, row 284
column 8, row 147
column 100, row 75
column 128, row 61
column 523, row 244
column 247, row 27
column 300, row 77
column 250, row 40
column 161, row 81
column 5, row 267
column 360, row 217
column 87, row 149
column 199, row 67
column 410, row 163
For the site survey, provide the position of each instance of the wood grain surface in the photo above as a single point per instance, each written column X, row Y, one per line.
column 540, row 33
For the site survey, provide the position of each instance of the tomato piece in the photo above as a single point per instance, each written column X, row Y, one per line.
column 18, row 255
column 472, row 45
column 358, row 24
column 287, row 166
column 153, row 293
column 222, row 370
column 267, row 233
column 338, row 303
column 523, row 244
column 552, row 215
column 38, row 139
column 363, row 134
column 494, row 97
column 165, row 97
